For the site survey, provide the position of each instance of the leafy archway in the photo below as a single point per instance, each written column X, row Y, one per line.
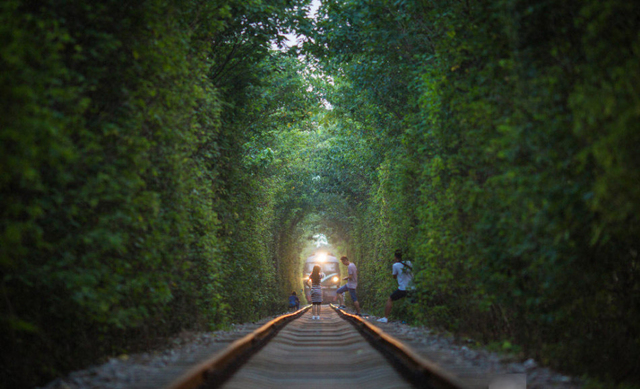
column 163, row 161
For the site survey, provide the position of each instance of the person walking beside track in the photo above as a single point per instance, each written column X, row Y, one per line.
column 403, row 272
column 352, row 283
column 316, row 291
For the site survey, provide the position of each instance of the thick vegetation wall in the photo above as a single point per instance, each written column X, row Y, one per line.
column 131, row 205
column 161, row 168
column 505, row 137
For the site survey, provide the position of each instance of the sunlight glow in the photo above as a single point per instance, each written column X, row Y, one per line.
column 321, row 240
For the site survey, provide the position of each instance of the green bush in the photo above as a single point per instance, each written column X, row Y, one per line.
column 119, row 140
column 503, row 134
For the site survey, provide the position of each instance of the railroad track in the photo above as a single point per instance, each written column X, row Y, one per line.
column 339, row 351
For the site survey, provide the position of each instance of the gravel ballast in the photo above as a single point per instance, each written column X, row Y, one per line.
column 475, row 366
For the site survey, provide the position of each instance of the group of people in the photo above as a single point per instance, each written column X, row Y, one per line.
column 401, row 270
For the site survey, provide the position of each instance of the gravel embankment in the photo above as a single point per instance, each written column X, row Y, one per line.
column 155, row 369
column 476, row 367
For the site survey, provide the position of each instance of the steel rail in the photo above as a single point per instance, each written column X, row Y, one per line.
column 419, row 371
column 214, row 371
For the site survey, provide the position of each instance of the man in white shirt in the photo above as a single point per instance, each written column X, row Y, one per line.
column 403, row 272
column 352, row 283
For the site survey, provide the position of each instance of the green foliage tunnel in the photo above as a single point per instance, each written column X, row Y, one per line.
column 163, row 164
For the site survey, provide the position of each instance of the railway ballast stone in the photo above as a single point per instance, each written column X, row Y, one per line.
column 157, row 368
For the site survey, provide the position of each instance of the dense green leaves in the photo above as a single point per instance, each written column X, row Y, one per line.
column 163, row 168
column 131, row 204
column 502, row 136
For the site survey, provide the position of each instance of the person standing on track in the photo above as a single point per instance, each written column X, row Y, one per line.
column 352, row 283
column 403, row 272
column 316, row 291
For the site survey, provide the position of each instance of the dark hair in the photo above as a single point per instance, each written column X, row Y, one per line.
column 344, row 258
column 398, row 255
column 315, row 275
column 293, row 293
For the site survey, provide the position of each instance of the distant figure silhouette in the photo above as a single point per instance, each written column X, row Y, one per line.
column 294, row 301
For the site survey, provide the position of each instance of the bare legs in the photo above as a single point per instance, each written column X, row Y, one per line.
column 315, row 311
column 355, row 303
column 387, row 307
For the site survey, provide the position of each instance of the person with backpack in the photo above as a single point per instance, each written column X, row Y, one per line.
column 403, row 272
column 316, row 291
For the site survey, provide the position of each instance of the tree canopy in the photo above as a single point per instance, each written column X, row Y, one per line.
column 165, row 163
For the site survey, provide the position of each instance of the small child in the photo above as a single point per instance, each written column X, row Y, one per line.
column 294, row 301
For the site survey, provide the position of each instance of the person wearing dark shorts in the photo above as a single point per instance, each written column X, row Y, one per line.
column 398, row 294
column 403, row 272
